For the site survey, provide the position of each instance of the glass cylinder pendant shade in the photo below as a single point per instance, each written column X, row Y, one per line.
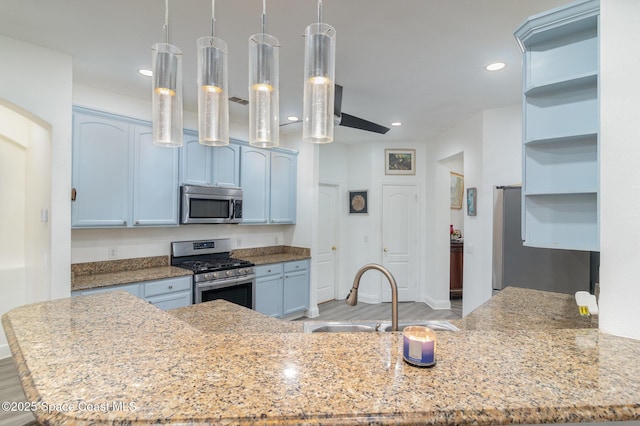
column 166, row 98
column 213, row 95
column 263, row 91
column 319, row 72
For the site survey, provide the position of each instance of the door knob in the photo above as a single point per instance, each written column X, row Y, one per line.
column 385, row 250
column 334, row 248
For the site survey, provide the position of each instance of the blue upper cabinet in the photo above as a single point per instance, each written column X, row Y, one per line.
column 155, row 181
column 120, row 178
column 209, row 165
column 561, row 127
column 268, row 179
column 254, row 179
column 101, row 173
column 283, row 187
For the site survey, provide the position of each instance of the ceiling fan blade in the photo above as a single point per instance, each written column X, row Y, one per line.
column 358, row 123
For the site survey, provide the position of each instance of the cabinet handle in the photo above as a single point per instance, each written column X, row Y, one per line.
column 170, row 287
column 268, row 270
column 74, row 193
column 334, row 248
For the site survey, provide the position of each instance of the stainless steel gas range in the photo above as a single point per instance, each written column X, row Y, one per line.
column 216, row 274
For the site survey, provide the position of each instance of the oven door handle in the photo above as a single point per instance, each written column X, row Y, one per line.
column 209, row 285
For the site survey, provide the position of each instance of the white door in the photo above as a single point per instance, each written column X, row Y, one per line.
column 326, row 262
column 399, row 239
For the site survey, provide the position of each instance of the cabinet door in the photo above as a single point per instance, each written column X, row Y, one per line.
column 269, row 295
column 101, row 171
column 155, row 185
column 254, row 178
column 296, row 291
column 196, row 161
column 226, row 165
column 283, row 188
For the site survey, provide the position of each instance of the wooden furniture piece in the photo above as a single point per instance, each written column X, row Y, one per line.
column 456, row 268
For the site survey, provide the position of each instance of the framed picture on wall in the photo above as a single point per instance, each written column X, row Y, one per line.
column 471, row 201
column 399, row 161
column 358, row 202
column 456, row 189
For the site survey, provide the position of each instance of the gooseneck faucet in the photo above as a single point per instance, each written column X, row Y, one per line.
column 352, row 297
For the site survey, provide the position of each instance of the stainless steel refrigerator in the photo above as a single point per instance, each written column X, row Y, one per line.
column 515, row 265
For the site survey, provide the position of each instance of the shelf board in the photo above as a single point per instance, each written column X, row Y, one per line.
column 589, row 79
column 563, row 139
column 560, row 192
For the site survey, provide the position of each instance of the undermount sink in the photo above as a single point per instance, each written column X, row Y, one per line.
column 371, row 326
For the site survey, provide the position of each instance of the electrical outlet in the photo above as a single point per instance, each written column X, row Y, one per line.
column 113, row 253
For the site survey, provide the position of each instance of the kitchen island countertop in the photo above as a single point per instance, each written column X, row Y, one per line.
column 112, row 358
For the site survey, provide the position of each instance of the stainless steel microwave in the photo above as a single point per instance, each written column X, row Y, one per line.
column 202, row 204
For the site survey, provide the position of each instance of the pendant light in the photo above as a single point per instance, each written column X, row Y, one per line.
column 263, row 88
column 319, row 72
column 213, row 95
column 166, row 63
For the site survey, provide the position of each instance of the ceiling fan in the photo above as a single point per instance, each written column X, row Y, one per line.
column 348, row 120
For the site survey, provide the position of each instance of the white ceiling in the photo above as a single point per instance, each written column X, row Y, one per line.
column 420, row 62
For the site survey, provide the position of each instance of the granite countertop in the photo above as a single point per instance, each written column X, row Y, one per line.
column 136, row 364
column 85, row 276
column 272, row 254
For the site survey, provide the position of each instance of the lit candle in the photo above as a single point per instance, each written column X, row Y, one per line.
column 419, row 347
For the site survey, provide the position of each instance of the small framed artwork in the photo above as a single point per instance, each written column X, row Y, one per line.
column 471, row 201
column 456, row 188
column 358, row 202
column 399, row 161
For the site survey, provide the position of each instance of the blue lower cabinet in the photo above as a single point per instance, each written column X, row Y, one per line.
column 168, row 293
column 269, row 287
column 282, row 288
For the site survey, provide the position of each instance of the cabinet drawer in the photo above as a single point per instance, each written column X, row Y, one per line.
column 172, row 301
column 270, row 269
column 171, row 285
column 298, row 265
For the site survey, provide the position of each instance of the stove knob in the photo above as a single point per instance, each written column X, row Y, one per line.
column 229, row 273
column 208, row 276
column 216, row 275
column 242, row 271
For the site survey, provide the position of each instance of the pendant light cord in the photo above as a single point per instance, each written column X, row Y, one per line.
column 213, row 18
column 319, row 11
column 264, row 16
column 166, row 21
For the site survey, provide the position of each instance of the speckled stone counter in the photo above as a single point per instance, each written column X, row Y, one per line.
column 220, row 316
column 135, row 364
column 125, row 271
column 272, row 254
column 524, row 309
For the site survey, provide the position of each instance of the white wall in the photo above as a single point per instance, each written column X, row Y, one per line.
column 619, row 171
column 356, row 167
column 46, row 95
column 36, row 117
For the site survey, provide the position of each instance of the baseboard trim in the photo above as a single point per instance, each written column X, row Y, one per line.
column 312, row 312
column 437, row 304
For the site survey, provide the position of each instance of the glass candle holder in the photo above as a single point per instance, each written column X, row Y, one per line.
column 419, row 346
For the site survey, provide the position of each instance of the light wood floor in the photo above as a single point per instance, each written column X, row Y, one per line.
column 335, row 310
column 11, row 391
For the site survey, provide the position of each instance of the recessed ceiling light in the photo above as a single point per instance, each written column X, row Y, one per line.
column 293, row 118
column 496, row 66
column 396, row 124
column 146, row 73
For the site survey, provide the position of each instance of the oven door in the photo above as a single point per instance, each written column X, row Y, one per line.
column 238, row 290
